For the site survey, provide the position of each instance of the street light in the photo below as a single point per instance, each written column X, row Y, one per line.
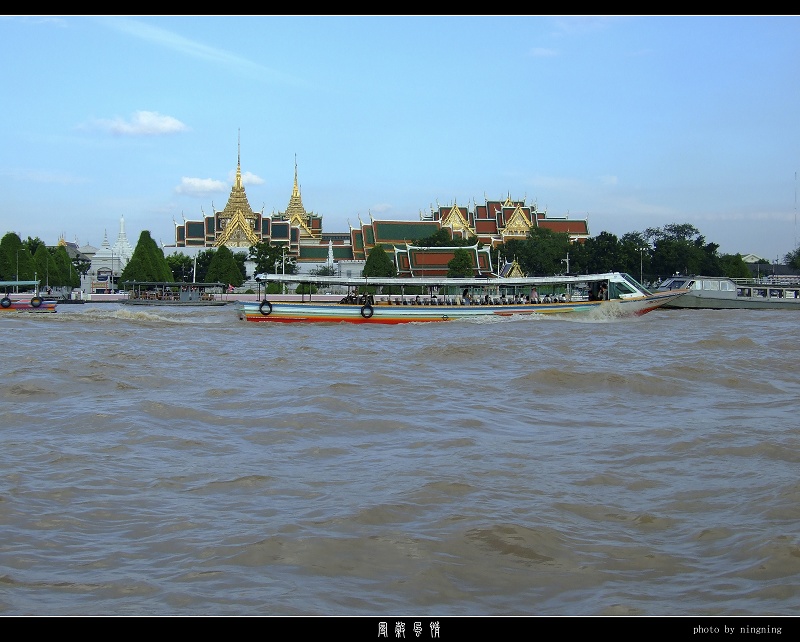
column 641, row 263
column 283, row 268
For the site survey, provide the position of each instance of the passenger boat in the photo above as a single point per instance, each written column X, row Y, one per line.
column 450, row 299
column 722, row 293
column 30, row 302
column 168, row 293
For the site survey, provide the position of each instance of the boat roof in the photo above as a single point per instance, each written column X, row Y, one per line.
column 173, row 284
column 19, row 283
column 438, row 281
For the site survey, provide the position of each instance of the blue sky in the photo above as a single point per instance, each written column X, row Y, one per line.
column 631, row 121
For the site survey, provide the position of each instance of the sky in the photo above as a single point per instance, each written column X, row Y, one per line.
column 630, row 122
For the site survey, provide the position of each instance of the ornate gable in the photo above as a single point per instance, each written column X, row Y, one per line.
column 518, row 223
column 457, row 221
column 238, row 232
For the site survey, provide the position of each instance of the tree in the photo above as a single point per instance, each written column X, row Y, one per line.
column 15, row 260
column 69, row 275
column 241, row 258
column 202, row 261
column 223, row 268
column 303, row 288
column 680, row 248
column 792, row 259
column 734, row 267
column 379, row 264
column 461, row 264
column 541, row 253
column 325, row 270
column 603, row 253
column 181, row 266
column 147, row 263
column 272, row 259
column 47, row 270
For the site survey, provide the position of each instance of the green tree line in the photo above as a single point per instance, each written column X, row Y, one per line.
column 31, row 260
column 650, row 255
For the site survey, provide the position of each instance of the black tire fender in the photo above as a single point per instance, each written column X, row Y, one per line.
column 367, row 311
column 265, row 308
column 36, row 301
column 6, row 302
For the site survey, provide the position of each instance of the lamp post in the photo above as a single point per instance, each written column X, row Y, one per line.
column 283, row 268
column 641, row 263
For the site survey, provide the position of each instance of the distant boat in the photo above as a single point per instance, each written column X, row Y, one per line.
column 722, row 293
column 612, row 295
column 169, row 293
column 26, row 302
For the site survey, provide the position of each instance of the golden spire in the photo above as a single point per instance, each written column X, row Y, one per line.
column 237, row 220
column 239, row 160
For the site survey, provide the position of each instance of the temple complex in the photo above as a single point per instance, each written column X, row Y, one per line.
column 491, row 223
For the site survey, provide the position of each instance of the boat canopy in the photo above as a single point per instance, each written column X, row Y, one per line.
column 21, row 284
column 171, row 284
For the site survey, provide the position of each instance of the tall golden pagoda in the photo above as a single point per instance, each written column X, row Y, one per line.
column 238, row 221
column 309, row 224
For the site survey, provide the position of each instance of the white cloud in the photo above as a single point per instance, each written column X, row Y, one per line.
column 142, row 123
column 248, row 178
column 200, row 186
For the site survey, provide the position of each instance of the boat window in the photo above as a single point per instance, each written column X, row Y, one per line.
column 743, row 292
column 760, row 292
column 624, row 288
column 728, row 286
column 711, row 285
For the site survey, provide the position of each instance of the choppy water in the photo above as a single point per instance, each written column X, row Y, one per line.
column 183, row 462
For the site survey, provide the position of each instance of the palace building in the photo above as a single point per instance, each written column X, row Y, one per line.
column 491, row 223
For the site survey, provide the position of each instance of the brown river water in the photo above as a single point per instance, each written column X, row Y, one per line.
column 183, row 462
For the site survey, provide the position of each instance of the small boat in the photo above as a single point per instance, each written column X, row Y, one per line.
column 722, row 293
column 167, row 293
column 609, row 295
column 29, row 302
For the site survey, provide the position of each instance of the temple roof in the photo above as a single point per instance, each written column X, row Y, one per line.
column 237, row 220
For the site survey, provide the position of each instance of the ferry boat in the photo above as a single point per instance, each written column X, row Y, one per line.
column 168, row 293
column 27, row 302
column 722, row 293
column 608, row 295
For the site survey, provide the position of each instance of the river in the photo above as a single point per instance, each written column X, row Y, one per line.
column 183, row 462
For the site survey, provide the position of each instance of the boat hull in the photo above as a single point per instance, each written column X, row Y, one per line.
column 386, row 313
column 23, row 305
column 710, row 303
